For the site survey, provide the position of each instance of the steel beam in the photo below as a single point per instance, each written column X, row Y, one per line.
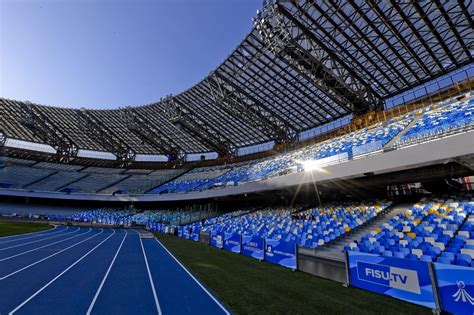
column 47, row 131
column 287, row 38
column 106, row 138
column 183, row 117
column 239, row 103
column 141, row 126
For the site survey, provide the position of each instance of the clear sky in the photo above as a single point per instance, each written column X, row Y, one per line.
column 111, row 53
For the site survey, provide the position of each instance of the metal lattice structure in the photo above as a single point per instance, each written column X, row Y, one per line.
column 148, row 132
column 98, row 130
column 40, row 125
column 304, row 64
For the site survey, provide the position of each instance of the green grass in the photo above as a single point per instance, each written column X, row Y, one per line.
column 8, row 228
column 248, row 286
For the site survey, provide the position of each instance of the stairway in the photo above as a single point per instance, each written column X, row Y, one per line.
column 391, row 145
column 335, row 248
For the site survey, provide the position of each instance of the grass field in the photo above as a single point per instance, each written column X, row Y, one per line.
column 8, row 228
column 248, row 286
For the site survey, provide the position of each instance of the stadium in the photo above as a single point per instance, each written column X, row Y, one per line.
column 325, row 166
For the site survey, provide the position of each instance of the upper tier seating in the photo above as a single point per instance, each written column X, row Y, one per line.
column 356, row 143
column 95, row 182
column 141, row 183
column 56, row 181
column 359, row 142
column 437, row 229
column 444, row 118
column 191, row 180
column 20, row 176
column 57, row 167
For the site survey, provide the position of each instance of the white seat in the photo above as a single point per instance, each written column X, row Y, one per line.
column 417, row 252
column 449, row 233
column 439, row 245
column 430, row 240
column 469, row 252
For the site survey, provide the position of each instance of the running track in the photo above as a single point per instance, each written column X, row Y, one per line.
column 72, row 270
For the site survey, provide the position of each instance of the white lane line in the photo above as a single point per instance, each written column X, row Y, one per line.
column 45, row 233
column 52, row 255
column 32, row 242
column 91, row 306
column 149, row 277
column 199, row 283
column 59, row 275
column 35, row 249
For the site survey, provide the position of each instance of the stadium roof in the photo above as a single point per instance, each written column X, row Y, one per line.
column 305, row 63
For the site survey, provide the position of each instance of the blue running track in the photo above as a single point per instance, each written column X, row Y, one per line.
column 73, row 270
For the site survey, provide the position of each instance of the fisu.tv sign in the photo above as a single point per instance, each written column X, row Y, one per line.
column 403, row 279
column 392, row 277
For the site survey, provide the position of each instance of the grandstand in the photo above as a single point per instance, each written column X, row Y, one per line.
column 337, row 139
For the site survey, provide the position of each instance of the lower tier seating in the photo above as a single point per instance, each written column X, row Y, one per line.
column 435, row 229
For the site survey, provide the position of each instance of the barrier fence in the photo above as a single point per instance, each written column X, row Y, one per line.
column 437, row 286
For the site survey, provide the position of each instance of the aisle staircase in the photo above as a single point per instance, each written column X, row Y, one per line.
column 391, row 145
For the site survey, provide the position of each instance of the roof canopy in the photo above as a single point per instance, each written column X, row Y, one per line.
column 305, row 63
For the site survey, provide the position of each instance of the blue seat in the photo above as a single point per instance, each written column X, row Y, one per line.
column 387, row 253
column 448, row 255
column 399, row 255
column 461, row 262
column 431, row 253
column 443, row 260
column 426, row 258
column 465, row 257
column 412, row 256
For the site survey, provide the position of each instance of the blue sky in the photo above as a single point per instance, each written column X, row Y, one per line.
column 111, row 53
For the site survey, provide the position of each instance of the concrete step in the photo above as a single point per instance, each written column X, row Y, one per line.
column 392, row 143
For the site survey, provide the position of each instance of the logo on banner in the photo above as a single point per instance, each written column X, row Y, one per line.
column 269, row 250
column 392, row 277
column 461, row 294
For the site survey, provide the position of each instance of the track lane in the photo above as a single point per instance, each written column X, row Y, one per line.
column 19, row 263
column 82, row 278
column 5, row 255
column 21, row 285
column 186, row 294
column 127, row 289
